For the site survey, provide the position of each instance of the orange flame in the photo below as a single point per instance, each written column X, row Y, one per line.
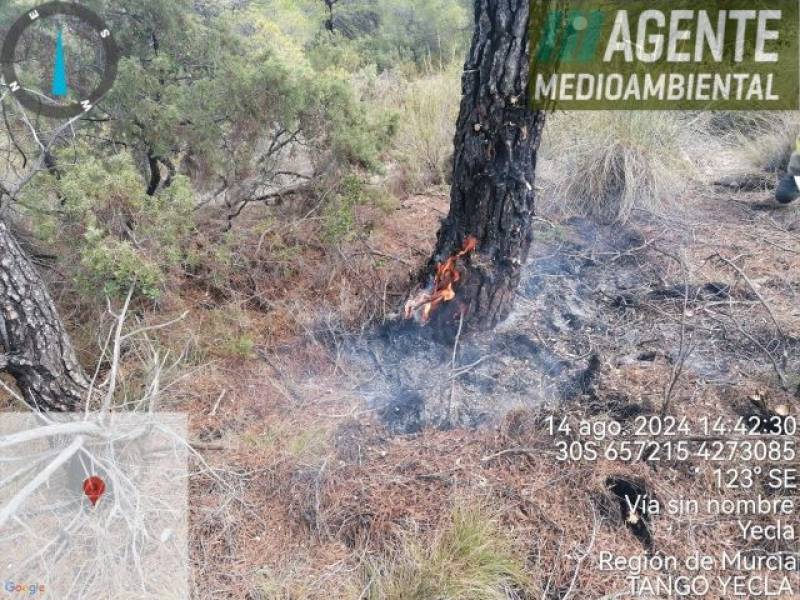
column 443, row 288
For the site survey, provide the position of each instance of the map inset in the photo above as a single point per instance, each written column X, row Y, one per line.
column 93, row 506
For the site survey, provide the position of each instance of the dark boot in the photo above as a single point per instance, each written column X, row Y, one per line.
column 787, row 190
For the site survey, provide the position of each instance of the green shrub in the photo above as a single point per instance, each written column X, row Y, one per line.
column 97, row 211
column 423, row 32
column 241, row 346
column 114, row 267
column 339, row 214
column 412, row 34
column 357, row 132
column 228, row 332
column 339, row 219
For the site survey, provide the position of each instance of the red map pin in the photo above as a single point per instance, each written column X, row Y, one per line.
column 94, row 488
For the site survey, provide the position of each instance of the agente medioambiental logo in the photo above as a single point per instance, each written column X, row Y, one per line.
column 683, row 55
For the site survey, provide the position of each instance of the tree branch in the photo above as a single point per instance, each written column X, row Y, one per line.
column 10, row 509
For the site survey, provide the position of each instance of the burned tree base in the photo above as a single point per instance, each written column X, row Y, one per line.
column 496, row 144
column 553, row 349
column 491, row 291
column 492, row 295
column 468, row 292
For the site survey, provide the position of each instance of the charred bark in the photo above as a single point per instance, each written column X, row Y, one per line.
column 329, row 22
column 155, row 173
column 36, row 349
column 497, row 139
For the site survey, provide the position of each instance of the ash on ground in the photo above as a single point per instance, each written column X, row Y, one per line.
column 593, row 299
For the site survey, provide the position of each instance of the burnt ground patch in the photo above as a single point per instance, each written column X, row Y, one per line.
column 594, row 300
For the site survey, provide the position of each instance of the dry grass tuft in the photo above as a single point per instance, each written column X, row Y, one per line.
column 769, row 146
column 471, row 558
column 606, row 164
column 428, row 108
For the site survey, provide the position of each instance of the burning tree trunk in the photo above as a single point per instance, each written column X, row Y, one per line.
column 36, row 349
column 492, row 197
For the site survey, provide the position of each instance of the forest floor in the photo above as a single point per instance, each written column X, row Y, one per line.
column 331, row 447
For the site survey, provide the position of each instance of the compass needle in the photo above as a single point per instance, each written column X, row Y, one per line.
column 59, row 88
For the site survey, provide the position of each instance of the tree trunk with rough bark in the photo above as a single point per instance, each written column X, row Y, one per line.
column 497, row 139
column 35, row 348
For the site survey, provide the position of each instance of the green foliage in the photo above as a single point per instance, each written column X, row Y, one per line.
column 356, row 133
column 230, row 101
column 227, row 333
column 226, row 92
column 389, row 33
column 240, row 346
column 339, row 215
column 339, row 52
column 97, row 210
column 114, row 267
column 425, row 32
column 220, row 89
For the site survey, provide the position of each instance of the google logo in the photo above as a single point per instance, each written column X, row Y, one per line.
column 30, row 589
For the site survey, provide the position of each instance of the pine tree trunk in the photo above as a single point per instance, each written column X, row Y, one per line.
column 497, row 139
column 36, row 349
